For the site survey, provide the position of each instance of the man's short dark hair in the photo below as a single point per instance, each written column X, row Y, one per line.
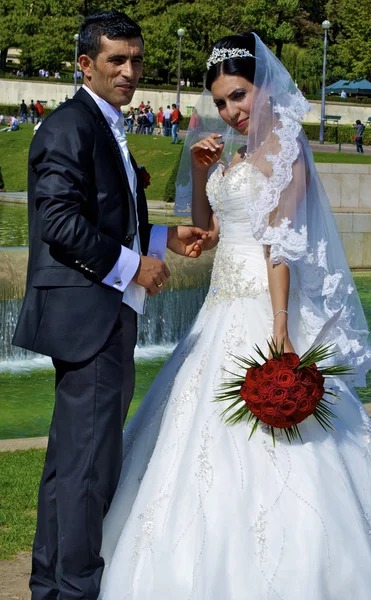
column 113, row 24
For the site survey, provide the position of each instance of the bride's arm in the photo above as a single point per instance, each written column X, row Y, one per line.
column 204, row 154
column 201, row 209
column 279, row 288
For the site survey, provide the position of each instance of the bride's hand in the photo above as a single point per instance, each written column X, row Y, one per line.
column 287, row 345
column 207, row 152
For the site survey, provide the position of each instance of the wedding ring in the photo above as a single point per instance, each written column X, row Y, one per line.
column 160, row 285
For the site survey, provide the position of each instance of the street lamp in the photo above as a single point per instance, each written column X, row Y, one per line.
column 76, row 38
column 180, row 33
column 326, row 26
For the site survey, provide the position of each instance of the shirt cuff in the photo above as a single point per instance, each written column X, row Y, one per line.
column 158, row 241
column 123, row 270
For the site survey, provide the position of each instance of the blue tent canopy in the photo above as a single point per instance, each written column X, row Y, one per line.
column 358, row 86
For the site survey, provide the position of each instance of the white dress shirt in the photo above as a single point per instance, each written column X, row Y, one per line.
column 121, row 275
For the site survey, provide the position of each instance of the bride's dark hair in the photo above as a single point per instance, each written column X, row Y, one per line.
column 244, row 67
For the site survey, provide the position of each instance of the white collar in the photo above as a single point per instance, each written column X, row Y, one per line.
column 111, row 114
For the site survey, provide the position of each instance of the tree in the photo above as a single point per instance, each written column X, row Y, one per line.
column 8, row 29
column 351, row 32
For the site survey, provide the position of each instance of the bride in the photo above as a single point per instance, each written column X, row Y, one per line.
column 201, row 513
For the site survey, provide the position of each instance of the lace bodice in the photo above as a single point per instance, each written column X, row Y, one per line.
column 240, row 269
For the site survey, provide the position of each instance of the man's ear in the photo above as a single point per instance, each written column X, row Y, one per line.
column 86, row 65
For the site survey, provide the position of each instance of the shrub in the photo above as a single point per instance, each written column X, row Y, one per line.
column 335, row 133
column 170, row 186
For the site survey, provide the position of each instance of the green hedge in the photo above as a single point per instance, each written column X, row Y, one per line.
column 336, row 133
column 334, row 98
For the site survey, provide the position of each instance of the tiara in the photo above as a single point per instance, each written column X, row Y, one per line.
column 220, row 54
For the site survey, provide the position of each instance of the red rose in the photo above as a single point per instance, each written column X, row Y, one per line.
column 269, row 408
column 252, row 374
column 297, row 391
column 278, row 394
column 307, row 375
column 266, row 387
column 305, row 405
column 244, row 392
column 288, row 408
column 314, row 392
column 285, row 378
column 290, row 360
column 270, row 368
column 250, row 393
column 146, row 178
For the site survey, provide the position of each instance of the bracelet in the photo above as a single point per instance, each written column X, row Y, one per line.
column 282, row 310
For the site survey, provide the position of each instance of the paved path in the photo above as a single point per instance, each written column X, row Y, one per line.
column 40, row 442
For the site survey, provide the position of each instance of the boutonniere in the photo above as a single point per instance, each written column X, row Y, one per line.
column 146, row 178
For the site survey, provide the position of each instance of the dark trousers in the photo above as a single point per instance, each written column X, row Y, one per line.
column 82, row 467
column 167, row 127
column 359, row 144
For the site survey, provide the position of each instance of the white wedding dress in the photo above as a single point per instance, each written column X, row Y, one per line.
column 201, row 513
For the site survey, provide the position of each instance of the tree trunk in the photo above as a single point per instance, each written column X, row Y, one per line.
column 279, row 46
column 3, row 57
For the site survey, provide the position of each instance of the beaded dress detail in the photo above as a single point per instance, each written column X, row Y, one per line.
column 201, row 513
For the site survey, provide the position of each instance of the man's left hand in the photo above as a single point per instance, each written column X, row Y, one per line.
column 186, row 241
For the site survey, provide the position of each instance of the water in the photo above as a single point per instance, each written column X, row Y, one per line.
column 168, row 316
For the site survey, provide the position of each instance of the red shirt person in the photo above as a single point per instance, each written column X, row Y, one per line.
column 175, row 120
column 160, row 120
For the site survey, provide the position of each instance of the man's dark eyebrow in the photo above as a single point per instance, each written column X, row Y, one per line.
column 124, row 57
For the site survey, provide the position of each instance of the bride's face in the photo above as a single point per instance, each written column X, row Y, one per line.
column 233, row 96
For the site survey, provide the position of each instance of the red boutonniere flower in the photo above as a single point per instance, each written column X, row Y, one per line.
column 146, row 178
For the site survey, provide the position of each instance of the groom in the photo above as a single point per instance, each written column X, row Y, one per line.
column 93, row 259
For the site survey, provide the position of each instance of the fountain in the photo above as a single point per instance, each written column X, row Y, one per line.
column 168, row 316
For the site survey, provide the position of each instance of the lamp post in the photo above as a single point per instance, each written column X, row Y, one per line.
column 326, row 26
column 76, row 38
column 180, row 33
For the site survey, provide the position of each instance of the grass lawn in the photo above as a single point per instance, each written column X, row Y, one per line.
column 342, row 157
column 19, row 479
column 157, row 154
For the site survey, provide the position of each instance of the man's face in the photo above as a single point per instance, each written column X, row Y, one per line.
column 115, row 72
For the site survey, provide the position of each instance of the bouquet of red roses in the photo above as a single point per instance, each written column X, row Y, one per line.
column 283, row 391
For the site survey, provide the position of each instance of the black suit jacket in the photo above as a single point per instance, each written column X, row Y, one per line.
column 81, row 211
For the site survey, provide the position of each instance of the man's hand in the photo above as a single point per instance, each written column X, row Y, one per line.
column 152, row 274
column 187, row 241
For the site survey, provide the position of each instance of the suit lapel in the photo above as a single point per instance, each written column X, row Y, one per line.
column 91, row 105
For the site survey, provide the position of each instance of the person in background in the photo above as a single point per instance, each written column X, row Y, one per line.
column 167, row 121
column 160, row 121
column 142, row 105
column 151, row 119
column 343, row 94
column 13, row 124
column 359, row 127
column 175, row 120
column 32, row 111
column 23, row 112
column 57, row 75
column 130, row 120
column 39, row 111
